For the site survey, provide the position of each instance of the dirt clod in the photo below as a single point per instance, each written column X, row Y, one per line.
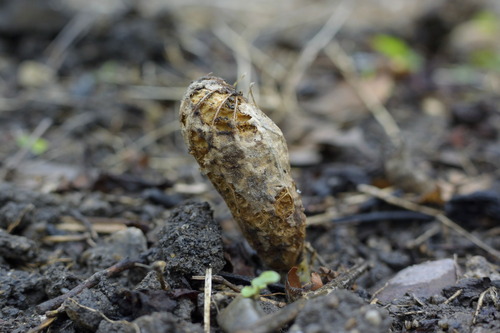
column 190, row 242
column 128, row 243
column 341, row 311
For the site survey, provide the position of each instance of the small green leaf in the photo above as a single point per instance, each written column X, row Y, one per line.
column 486, row 59
column 38, row 147
column 260, row 283
column 402, row 56
column 249, row 291
column 270, row 277
column 390, row 46
column 487, row 21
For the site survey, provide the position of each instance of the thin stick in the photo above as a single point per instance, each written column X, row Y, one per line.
column 480, row 301
column 423, row 237
column 221, row 105
column 438, row 214
column 311, row 50
column 455, row 295
column 12, row 163
column 274, row 321
column 241, row 52
column 147, row 139
column 343, row 281
column 45, row 324
column 89, row 283
column 344, row 63
column 219, row 279
column 19, row 218
column 202, row 100
column 244, row 47
column 159, row 267
column 208, row 300
column 76, row 28
column 88, row 225
column 235, row 107
column 66, row 238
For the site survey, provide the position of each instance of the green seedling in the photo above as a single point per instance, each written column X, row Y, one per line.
column 486, row 26
column 401, row 56
column 38, row 147
column 486, row 21
column 259, row 283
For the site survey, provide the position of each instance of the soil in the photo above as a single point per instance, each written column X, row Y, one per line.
column 107, row 224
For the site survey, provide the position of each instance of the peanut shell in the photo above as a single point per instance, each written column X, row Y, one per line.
column 245, row 156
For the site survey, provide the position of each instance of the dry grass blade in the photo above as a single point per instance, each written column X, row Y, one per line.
column 76, row 28
column 337, row 55
column 16, row 160
column 208, row 300
column 311, row 50
column 429, row 211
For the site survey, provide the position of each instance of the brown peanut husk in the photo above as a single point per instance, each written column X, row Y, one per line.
column 245, row 156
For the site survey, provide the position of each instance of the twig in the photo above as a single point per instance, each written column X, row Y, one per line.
column 438, row 214
column 388, row 197
column 240, row 48
column 139, row 145
column 158, row 93
column 159, row 267
column 45, row 324
column 76, row 28
column 338, row 56
column 493, row 293
column 89, row 283
column 455, row 295
column 221, row 280
column 423, row 237
column 208, row 300
column 13, row 162
column 314, row 255
column 343, row 281
column 88, row 225
column 311, row 50
column 29, row 207
column 67, row 238
column 372, row 217
column 274, row 321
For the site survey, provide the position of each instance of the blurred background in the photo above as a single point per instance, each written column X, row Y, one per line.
column 95, row 85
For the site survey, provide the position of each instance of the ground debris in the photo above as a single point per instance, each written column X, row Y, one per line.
column 342, row 311
column 189, row 242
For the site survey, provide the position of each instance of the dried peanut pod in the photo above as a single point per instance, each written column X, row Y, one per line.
column 245, row 156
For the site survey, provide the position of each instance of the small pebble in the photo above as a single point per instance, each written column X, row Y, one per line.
column 313, row 328
column 350, row 323
column 443, row 323
column 333, row 302
column 437, row 299
column 34, row 74
column 373, row 317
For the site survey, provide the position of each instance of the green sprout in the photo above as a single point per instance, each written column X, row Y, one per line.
column 486, row 21
column 38, row 147
column 485, row 59
column 259, row 283
column 402, row 57
column 486, row 25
